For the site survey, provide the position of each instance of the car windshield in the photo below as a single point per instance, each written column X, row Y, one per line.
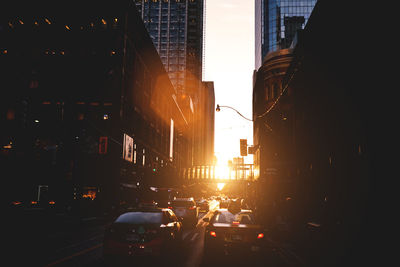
column 182, row 203
column 139, row 217
column 227, row 217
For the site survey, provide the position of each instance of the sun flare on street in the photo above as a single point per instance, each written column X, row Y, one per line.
column 220, row 186
column 222, row 172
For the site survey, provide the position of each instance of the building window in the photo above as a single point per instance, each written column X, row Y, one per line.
column 276, row 90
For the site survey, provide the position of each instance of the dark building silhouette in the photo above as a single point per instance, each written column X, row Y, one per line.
column 87, row 109
column 326, row 135
column 273, row 163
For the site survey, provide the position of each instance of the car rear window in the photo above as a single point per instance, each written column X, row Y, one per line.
column 227, row 217
column 140, row 217
column 182, row 203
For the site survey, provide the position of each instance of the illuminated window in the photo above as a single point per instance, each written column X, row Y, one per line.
column 134, row 153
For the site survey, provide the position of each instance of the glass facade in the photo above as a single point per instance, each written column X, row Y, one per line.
column 176, row 28
column 277, row 22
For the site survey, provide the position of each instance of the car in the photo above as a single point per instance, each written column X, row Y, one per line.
column 164, row 195
column 203, row 205
column 233, row 231
column 186, row 209
column 143, row 233
column 223, row 203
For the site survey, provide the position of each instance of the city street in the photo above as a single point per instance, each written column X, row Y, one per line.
column 39, row 239
column 194, row 133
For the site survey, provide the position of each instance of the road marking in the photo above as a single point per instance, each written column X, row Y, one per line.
column 79, row 243
column 185, row 235
column 194, row 236
column 74, row 255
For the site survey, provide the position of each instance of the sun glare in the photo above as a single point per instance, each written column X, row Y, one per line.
column 220, row 186
column 221, row 172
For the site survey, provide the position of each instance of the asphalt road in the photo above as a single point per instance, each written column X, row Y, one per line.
column 37, row 239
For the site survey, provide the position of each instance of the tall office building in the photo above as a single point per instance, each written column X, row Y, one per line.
column 176, row 28
column 276, row 24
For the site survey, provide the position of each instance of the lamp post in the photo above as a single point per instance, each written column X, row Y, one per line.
column 219, row 109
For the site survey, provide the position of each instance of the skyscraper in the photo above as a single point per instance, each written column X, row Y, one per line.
column 276, row 24
column 176, row 28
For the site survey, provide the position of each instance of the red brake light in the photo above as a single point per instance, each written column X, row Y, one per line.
column 192, row 208
column 212, row 233
column 260, row 235
column 235, row 223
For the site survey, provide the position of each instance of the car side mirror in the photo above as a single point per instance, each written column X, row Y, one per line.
column 206, row 219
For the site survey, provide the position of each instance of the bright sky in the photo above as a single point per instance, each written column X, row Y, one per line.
column 229, row 62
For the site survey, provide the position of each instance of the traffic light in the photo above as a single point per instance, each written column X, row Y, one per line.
column 243, row 147
column 154, row 166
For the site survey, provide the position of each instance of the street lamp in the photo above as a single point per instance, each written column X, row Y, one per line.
column 219, row 108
